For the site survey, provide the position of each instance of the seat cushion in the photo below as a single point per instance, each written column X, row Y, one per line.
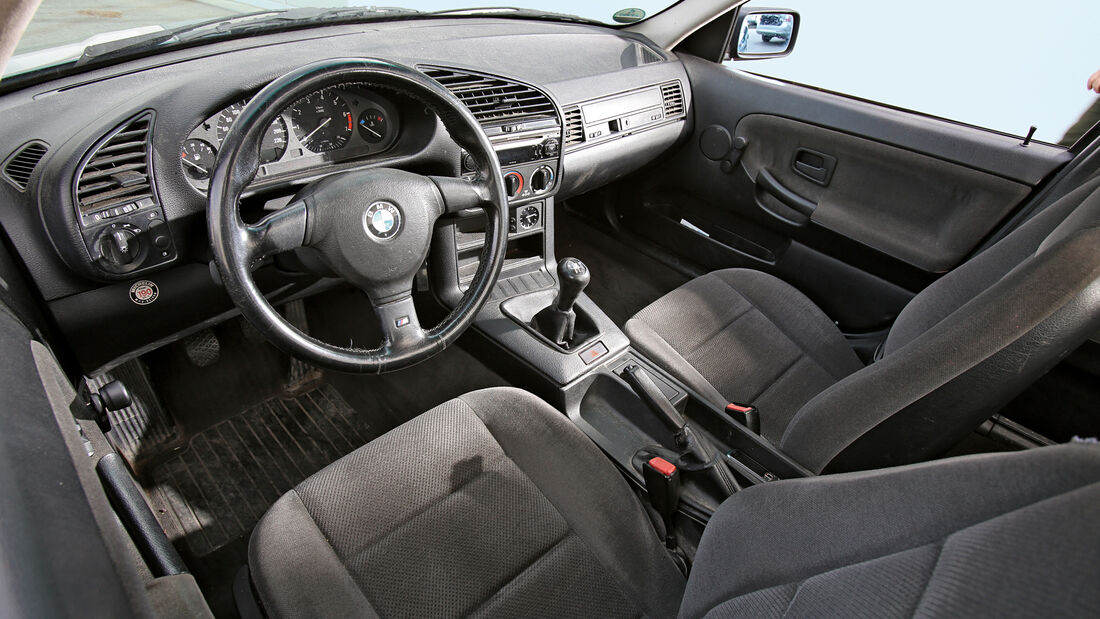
column 739, row 335
column 491, row 504
column 993, row 535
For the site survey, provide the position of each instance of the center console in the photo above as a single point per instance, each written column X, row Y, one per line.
column 540, row 330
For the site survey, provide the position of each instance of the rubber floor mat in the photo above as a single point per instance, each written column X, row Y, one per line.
column 215, row 490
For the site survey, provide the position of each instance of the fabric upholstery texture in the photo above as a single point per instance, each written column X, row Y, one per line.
column 750, row 337
column 957, row 353
column 491, row 504
column 981, row 536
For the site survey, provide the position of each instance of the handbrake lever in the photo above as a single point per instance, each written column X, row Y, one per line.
column 686, row 439
column 646, row 389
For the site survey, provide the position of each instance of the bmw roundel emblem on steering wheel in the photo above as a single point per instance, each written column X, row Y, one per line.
column 382, row 220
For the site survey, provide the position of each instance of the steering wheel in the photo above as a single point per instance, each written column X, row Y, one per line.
column 372, row 227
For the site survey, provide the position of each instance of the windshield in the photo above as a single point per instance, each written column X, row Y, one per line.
column 62, row 30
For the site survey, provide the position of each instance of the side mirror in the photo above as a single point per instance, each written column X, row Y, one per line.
column 763, row 33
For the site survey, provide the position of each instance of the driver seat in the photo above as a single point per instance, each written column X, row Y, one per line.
column 494, row 504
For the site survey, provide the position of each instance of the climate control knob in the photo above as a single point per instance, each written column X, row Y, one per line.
column 542, row 180
column 513, row 183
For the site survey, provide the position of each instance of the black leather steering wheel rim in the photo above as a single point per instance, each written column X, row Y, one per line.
column 239, row 247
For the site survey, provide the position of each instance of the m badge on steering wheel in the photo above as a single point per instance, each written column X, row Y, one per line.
column 382, row 220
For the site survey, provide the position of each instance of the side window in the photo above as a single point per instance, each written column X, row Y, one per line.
column 1003, row 65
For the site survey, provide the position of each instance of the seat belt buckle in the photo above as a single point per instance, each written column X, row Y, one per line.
column 662, row 484
column 745, row 414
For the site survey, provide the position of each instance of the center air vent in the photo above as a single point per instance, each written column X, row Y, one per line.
column 21, row 164
column 673, row 95
column 574, row 126
column 492, row 99
column 116, row 172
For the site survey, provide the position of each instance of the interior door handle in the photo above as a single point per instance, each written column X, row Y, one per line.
column 818, row 167
column 783, row 194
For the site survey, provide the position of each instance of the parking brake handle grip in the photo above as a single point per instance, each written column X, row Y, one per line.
column 684, row 436
column 656, row 401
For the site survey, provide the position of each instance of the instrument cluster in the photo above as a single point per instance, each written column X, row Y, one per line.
column 334, row 124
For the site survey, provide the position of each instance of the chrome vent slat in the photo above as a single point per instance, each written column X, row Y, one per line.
column 117, row 171
column 21, row 165
column 574, row 126
column 673, row 95
column 493, row 99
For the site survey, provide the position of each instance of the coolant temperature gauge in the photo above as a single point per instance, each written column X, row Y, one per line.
column 372, row 125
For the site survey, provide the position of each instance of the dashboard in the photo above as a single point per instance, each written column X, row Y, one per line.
column 334, row 124
column 110, row 221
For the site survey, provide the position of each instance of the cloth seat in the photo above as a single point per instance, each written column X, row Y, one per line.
column 957, row 353
column 1000, row 535
column 494, row 504
column 491, row 504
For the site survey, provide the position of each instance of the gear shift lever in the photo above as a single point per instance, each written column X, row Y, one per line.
column 573, row 276
column 557, row 320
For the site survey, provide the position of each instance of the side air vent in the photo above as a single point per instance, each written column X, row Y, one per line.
column 673, row 95
column 648, row 56
column 493, row 99
column 21, row 164
column 574, row 126
column 116, row 171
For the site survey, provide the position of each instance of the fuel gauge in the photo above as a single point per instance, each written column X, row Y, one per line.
column 198, row 159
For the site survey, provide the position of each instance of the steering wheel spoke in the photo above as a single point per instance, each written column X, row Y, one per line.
column 460, row 194
column 281, row 231
column 400, row 325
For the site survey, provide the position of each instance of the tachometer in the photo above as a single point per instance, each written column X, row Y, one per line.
column 198, row 158
column 322, row 121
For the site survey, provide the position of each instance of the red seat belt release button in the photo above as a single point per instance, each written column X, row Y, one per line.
column 662, row 484
column 746, row 415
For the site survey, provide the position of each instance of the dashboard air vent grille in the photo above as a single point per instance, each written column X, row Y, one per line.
column 116, row 172
column 574, row 126
column 673, row 95
column 649, row 56
column 493, row 99
column 19, row 167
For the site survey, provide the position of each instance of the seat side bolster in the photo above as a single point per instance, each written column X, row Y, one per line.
column 295, row 569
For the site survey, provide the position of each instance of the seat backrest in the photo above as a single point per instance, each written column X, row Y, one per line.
column 965, row 346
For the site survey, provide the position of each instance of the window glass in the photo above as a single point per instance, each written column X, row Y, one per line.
column 1000, row 64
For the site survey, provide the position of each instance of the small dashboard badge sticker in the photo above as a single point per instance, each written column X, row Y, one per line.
column 144, row 292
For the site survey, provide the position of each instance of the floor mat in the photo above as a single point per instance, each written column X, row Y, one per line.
column 143, row 429
column 213, row 491
column 624, row 280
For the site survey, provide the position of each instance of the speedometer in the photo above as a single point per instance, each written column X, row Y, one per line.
column 274, row 141
column 322, row 121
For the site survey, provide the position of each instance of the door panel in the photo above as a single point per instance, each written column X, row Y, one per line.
column 919, row 209
column 858, row 205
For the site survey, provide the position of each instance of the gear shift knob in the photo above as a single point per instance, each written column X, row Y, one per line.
column 573, row 277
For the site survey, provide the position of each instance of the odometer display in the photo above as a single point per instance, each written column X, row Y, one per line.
column 322, row 121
